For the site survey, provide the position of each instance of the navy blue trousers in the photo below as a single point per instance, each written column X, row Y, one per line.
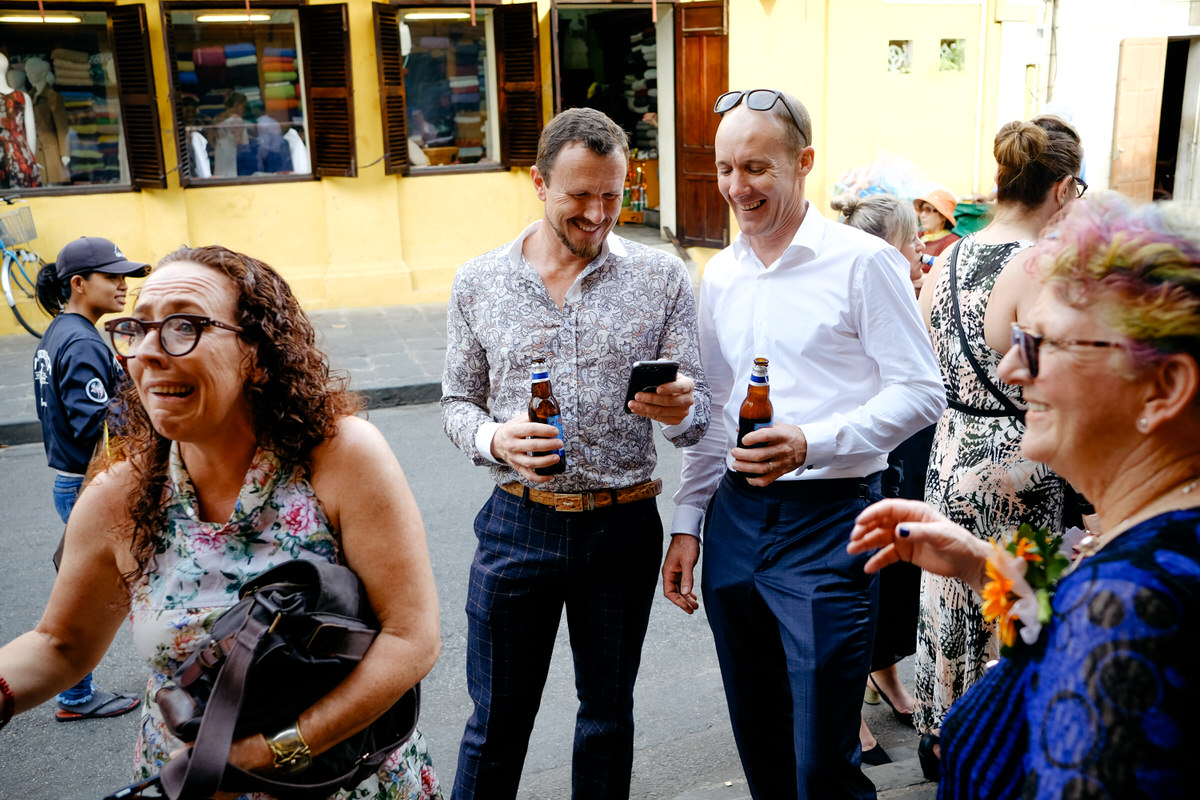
column 793, row 617
column 531, row 562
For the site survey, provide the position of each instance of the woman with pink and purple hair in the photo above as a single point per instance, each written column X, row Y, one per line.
column 1099, row 695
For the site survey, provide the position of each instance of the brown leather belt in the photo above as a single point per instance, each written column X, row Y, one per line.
column 587, row 501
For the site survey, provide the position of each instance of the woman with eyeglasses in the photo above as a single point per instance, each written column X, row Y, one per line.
column 1100, row 694
column 75, row 380
column 241, row 451
column 977, row 474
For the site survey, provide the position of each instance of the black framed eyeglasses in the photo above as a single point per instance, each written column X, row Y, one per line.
column 178, row 334
column 1031, row 343
column 759, row 100
column 1080, row 185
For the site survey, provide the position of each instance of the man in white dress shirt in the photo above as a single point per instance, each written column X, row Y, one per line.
column 852, row 375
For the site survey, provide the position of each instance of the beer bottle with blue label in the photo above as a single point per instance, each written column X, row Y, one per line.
column 543, row 408
column 756, row 411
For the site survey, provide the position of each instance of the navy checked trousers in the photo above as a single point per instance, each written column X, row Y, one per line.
column 531, row 562
column 793, row 617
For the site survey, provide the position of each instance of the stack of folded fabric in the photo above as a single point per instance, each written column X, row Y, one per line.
column 641, row 86
column 71, row 67
column 108, row 137
column 209, row 63
column 241, row 64
column 280, row 77
column 464, row 91
column 254, row 98
column 83, row 139
column 211, row 104
column 185, row 68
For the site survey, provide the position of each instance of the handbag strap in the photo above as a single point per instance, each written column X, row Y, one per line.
column 199, row 775
column 1010, row 408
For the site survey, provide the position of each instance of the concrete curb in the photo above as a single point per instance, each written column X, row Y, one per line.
column 27, row 432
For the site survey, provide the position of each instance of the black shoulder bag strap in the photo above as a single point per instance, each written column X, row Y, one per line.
column 1010, row 408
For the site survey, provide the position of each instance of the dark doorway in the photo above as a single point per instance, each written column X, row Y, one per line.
column 607, row 61
column 1170, row 118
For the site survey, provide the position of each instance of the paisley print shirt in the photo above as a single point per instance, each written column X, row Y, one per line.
column 631, row 303
column 196, row 575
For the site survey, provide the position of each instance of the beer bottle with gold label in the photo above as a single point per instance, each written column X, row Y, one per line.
column 543, row 408
column 756, row 411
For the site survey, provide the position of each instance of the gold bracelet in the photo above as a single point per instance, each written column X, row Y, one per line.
column 290, row 751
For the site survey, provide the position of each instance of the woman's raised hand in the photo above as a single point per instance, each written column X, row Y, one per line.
column 909, row 530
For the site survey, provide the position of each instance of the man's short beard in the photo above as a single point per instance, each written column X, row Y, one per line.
column 589, row 251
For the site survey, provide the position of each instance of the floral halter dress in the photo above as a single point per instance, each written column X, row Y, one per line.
column 196, row 575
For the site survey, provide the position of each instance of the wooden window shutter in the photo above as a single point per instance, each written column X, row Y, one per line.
column 391, row 89
column 325, row 39
column 519, row 74
column 135, row 87
column 182, row 148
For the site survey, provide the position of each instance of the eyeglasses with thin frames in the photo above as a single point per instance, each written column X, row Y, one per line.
column 1030, row 344
column 178, row 334
column 759, row 100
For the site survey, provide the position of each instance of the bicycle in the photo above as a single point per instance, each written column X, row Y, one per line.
column 21, row 267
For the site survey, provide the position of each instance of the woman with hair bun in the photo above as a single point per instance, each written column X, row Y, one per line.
column 977, row 476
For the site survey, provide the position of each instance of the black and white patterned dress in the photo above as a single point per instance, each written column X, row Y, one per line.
column 977, row 477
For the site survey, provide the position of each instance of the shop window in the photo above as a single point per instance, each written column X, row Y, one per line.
column 260, row 96
column 900, row 56
column 952, row 55
column 458, row 93
column 85, row 72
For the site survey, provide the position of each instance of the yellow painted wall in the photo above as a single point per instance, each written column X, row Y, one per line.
column 833, row 56
column 378, row 239
column 371, row 240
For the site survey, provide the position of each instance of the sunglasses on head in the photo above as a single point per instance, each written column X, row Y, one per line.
column 759, row 100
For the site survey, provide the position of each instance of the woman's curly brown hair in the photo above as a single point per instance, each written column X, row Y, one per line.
column 295, row 398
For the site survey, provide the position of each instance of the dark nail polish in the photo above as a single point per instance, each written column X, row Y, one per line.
column 903, row 530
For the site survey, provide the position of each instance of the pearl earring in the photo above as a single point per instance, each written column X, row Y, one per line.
column 1143, row 425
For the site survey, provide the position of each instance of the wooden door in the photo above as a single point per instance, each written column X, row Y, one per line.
column 1139, row 104
column 701, row 75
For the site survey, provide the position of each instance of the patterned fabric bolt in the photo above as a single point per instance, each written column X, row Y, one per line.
column 978, row 478
column 632, row 303
column 198, row 570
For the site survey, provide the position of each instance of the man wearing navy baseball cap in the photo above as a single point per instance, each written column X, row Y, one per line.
column 75, row 378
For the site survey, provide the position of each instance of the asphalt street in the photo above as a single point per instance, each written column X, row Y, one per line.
column 684, row 749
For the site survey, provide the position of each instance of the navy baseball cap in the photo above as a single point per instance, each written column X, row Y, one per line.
column 96, row 254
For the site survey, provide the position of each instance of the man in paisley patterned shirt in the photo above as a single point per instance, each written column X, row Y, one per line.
column 589, row 539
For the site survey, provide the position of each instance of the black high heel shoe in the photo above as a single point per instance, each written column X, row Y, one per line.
column 905, row 717
column 875, row 756
column 931, row 766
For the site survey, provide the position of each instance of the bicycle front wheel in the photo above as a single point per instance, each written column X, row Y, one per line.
column 20, row 290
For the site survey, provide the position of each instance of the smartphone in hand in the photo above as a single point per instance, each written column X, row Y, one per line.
column 647, row 376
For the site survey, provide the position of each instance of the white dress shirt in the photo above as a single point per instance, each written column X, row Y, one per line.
column 850, row 359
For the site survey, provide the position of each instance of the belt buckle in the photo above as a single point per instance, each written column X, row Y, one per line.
column 583, row 501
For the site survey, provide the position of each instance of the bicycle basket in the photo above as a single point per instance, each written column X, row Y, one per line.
column 16, row 226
